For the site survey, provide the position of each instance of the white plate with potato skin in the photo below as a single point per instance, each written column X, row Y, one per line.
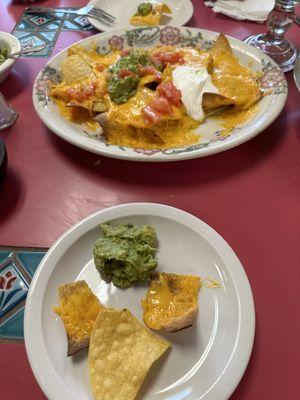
column 207, row 360
column 123, row 10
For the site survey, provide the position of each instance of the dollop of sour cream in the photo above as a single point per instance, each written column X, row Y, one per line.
column 193, row 81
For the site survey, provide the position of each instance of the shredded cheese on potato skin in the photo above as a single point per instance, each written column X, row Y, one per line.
column 170, row 296
column 78, row 309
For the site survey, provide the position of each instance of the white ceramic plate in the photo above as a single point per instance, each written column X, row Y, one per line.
column 207, row 360
column 210, row 140
column 123, row 10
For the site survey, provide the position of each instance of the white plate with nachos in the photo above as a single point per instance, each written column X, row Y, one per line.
column 176, row 135
column 206, row 360
column 179, row 12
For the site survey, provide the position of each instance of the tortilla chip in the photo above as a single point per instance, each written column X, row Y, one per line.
column 74, row 68
column 121, row 353
column 221, row 46
column 163, row 8
column 212, row 101
column 78, row 309
column 234, row 81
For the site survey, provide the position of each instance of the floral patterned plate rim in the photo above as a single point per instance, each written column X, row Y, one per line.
column 211, row 139
column 182, row 12
column 297, row 73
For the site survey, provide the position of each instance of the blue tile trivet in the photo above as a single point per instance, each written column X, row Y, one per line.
column 16, row 271
column 36, row 29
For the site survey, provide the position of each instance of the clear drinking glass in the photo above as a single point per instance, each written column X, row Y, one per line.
column 8, row 115
column 273, row 42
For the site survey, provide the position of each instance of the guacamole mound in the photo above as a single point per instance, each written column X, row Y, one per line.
column 126, row 254
column 144, row 9
column 120, row 89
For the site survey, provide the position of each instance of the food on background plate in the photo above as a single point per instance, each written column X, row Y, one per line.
column 126, row 254
column 3, row 54
column 149, row 14
column 78, row 308
column 155, row 98
column 121, row 353
column 171, row 302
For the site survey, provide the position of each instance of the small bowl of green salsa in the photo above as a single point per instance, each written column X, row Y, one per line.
column 3, row 54
column 8, row 44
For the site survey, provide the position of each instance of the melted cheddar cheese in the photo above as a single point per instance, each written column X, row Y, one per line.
column 83, row 95
column 233, row 117
column 234, row 81
column 77, row 115
column 153, row 18
column 172, row 131
column 170, row 297
column 78, row 309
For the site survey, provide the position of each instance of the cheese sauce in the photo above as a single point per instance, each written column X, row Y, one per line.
column 165, row 135
column 77, row 115
column 232, row 118
column 235, row 88
column 170, row 296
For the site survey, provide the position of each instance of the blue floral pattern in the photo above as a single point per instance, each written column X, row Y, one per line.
column 13, row 288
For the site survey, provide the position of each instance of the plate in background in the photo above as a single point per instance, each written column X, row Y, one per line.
column 123, row 10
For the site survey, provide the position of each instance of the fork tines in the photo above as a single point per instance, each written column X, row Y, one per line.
column 104, row 12
column 99, row 13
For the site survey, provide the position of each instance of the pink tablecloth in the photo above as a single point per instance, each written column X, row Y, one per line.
column 249, row 194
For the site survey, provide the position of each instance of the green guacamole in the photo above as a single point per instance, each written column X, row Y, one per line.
column 126, row 254
column 121, row 89
column 3, row 55
column 144, row 9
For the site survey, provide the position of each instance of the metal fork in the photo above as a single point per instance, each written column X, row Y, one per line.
column 90, row 11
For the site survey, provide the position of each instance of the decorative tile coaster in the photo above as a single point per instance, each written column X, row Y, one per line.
column 17, row 268
column 35, row 29
column 32, row 39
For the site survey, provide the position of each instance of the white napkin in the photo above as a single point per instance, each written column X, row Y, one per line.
column 254, row 10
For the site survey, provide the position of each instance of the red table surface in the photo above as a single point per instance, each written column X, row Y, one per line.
column 249, row 194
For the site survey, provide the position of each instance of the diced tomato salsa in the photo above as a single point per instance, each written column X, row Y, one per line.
column 168, row 96
column 165, row 58
column 169, row 92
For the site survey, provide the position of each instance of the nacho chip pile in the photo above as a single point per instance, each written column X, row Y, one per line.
column 155, row 98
